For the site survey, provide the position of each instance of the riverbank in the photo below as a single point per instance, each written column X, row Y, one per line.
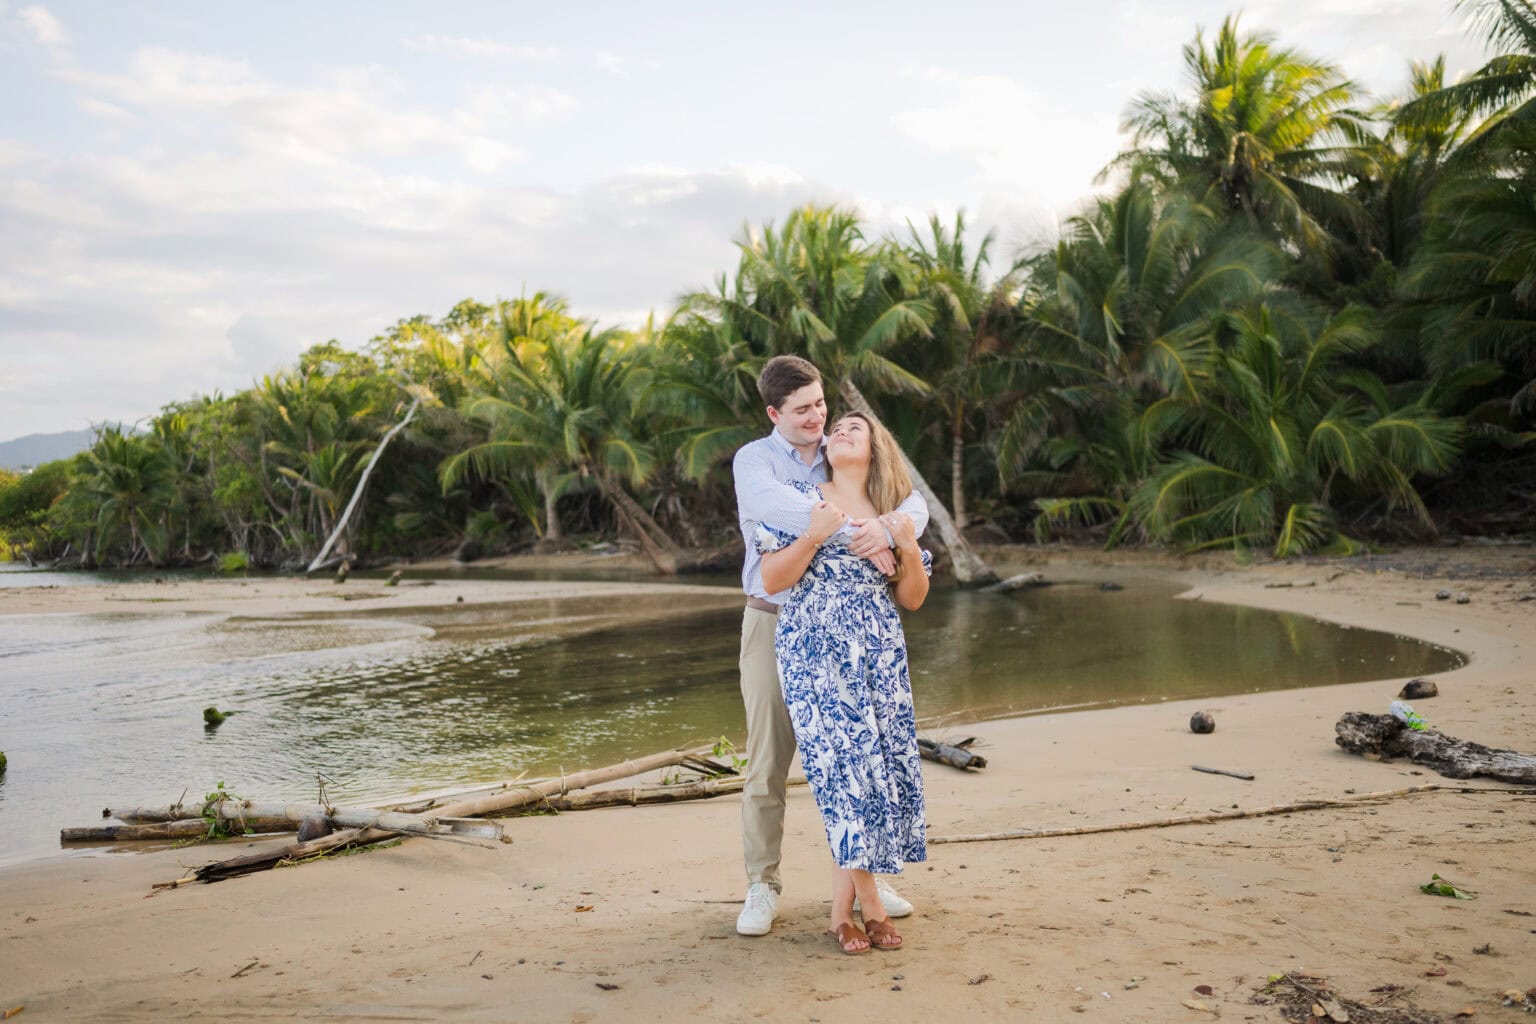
column 1034, row 929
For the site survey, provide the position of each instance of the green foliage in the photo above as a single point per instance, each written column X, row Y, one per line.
column 25, row 504
column 1437, row 886
column 219, row 827
column 725, row 748
column 233, row 563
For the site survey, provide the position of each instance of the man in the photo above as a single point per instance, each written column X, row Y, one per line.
column 792, row 392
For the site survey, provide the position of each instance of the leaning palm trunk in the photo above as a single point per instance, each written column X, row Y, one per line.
column 654, row 541
column 341, row 524
column 970, row 570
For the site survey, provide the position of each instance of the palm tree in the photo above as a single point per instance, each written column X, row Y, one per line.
column 1504, row 89
column 1265, row 132
column 315, row 424
column 129, row 479
column 1409, row 159
column 1281, row 422
column 558, row 396
column 813, row 288
column 972, row 317
column 1473, row 279
column 1472, row 283
column 1119, row 317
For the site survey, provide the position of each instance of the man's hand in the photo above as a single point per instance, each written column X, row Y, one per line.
column 826, row 519
column 870, row 541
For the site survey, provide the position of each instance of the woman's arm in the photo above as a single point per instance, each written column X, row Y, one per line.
column 783, row 568
column 911, row 589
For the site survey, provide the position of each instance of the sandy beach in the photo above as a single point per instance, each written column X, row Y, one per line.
column 1114, row 926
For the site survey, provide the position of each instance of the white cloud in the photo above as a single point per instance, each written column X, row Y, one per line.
column 468, row 47
column 356, row 113
column 494, row 105
column 1013, row 135
column 46, row 28
column 610, row 62
column 102, row 109
column 186, row 275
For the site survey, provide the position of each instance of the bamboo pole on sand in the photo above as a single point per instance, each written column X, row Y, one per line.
column 1203, row 819
column 247, row 815
column 636, row 796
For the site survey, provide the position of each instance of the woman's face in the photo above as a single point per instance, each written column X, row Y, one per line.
column 849, row 443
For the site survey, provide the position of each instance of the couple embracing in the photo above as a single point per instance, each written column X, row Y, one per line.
column 831, row 526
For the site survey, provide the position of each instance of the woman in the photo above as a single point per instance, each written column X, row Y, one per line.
column 843, row 667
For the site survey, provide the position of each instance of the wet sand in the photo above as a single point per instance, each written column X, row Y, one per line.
column 1037, row 929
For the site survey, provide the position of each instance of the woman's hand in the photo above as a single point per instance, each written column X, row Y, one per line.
column 903, row 532
column 826, row 519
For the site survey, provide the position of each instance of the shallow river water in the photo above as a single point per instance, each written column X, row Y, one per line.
column 106, row 709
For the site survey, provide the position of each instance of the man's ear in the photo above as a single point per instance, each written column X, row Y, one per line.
column 773, row 414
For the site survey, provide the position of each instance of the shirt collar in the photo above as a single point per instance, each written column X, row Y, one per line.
column 782, row 443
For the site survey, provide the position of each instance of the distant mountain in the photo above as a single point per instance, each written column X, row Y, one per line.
column 36, row 449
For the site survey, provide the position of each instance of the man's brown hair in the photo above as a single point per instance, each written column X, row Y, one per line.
column 782, row 376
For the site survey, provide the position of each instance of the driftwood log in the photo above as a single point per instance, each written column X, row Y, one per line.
column 1385, row 736
column 247, row 815
column 635, row 796
column 186, row 828
column 953, row 754
column 236, row 812
column 506, row 799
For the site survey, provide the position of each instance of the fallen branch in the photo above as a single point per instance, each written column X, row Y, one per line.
column 1386, row 736
column 1204, row 819
column 1296, row 993
column 1222, row 771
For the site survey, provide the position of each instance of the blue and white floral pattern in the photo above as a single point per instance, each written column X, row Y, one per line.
column 843, row 667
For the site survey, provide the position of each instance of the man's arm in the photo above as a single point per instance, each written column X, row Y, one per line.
column 761, row 497
column 917, row 508
column 874, row 542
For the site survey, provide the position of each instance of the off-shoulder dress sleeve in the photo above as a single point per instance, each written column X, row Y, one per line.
column 771, row 538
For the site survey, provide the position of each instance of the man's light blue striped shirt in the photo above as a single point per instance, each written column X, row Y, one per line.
column 764, row 470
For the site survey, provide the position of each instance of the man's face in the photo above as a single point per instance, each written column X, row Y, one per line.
column 802, row 416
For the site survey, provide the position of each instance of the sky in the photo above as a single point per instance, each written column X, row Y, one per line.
column 191, row 194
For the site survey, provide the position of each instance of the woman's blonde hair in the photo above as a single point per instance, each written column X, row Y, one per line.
column 889, row 482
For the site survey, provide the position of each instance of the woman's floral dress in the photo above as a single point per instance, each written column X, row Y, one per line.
column 843, row 667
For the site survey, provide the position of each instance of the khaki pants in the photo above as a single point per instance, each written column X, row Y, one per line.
column 770, row 749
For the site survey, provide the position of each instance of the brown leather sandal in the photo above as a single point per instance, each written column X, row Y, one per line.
column 882, row 934
column 847, row 933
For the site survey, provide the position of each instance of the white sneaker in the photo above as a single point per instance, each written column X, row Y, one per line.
column 890, row 899
column 762, row 906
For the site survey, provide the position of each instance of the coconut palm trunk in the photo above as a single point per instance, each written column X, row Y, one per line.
column 957, row 476
column 970, row 570
column 654, row 541
column 552, row 532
